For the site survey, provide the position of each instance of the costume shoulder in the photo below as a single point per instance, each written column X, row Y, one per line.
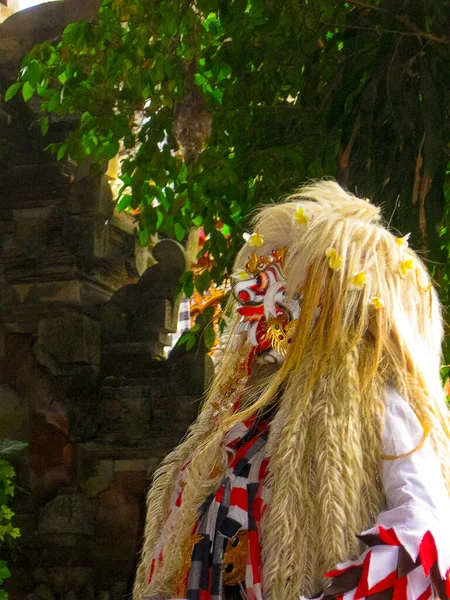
column 408, row 554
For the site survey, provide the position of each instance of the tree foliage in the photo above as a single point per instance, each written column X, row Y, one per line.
column 225, row 104
column 8, row 532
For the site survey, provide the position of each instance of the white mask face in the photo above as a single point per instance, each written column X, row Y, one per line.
column 267, row 316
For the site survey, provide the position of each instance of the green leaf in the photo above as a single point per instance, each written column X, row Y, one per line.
column 190, row 343
column 183, row 338
column 62, row 77
column 27, row 91
column 12, row 91
column 188, row 283
column 172, row 27
column 124, row 202
column 34, row 73
column 5, row 573
column 73, row 32
column 202, row 282
column 209, row 336
column 179, row 231
column 222, row 325
column 111, row 150
column 42, row 87
column 144, row 236
column 208, row 314
column 61, row 151
column 44, row 125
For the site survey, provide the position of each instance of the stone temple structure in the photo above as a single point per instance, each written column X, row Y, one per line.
column 85, row 315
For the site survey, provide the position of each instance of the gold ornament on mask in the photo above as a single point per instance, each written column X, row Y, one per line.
column 280, row 334
column 256, row 264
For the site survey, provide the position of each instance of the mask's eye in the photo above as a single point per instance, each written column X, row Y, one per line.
column 244, row 296
column 262, row 281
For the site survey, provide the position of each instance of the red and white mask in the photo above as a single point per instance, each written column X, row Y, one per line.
column 268, row 316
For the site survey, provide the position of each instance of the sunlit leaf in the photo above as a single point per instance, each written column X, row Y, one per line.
column 27, row 91
column 12, row 91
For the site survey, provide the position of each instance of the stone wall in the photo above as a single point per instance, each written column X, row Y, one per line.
column 85, row 317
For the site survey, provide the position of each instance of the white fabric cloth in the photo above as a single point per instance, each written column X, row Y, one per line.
column 417, row 477
column 418, row 505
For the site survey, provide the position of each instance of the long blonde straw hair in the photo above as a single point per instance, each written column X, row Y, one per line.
column 325, row 438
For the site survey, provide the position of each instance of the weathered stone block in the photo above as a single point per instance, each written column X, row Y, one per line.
column 73, row 338
column 55, row 291
column 44, row 592
column 174, row 413
column 100, row 480
column 125, row 414
column 87, row 237
column 152, row 465
column 117, row 517
column 133, row 482
column 196, row 369
column 88, row 593
column 118, row 590
column 157, row 316
column 67, row 514
column 65, row 579
column 138, row 464
column 82, row 393
column 14, row 414
column 115, row 323
column 33, row 227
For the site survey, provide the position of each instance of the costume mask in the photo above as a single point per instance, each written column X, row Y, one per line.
column 267, row 316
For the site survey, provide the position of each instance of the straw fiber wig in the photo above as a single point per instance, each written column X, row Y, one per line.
column 369, row 317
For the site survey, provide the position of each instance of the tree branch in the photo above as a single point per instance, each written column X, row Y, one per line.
column 423, row 34
column 414, row 29
column 363, row 4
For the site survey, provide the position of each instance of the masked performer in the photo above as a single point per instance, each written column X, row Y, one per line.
column 320, row 461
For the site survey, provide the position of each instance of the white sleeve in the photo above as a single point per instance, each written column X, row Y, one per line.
column 409, row 546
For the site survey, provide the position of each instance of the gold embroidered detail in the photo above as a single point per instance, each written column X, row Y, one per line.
column 229, row 392
column 182, row 577
column 281, row 335
column 235, row 559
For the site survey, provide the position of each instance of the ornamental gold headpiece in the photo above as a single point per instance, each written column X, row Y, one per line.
column 256, row 264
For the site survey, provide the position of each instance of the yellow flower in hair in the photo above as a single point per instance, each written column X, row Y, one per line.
column 377, row 302
column 359, row 280
column 406, row 266
column 240, row 275
column 254, row 239
column 302, row 216
column 403, row 242
column 334, row 260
